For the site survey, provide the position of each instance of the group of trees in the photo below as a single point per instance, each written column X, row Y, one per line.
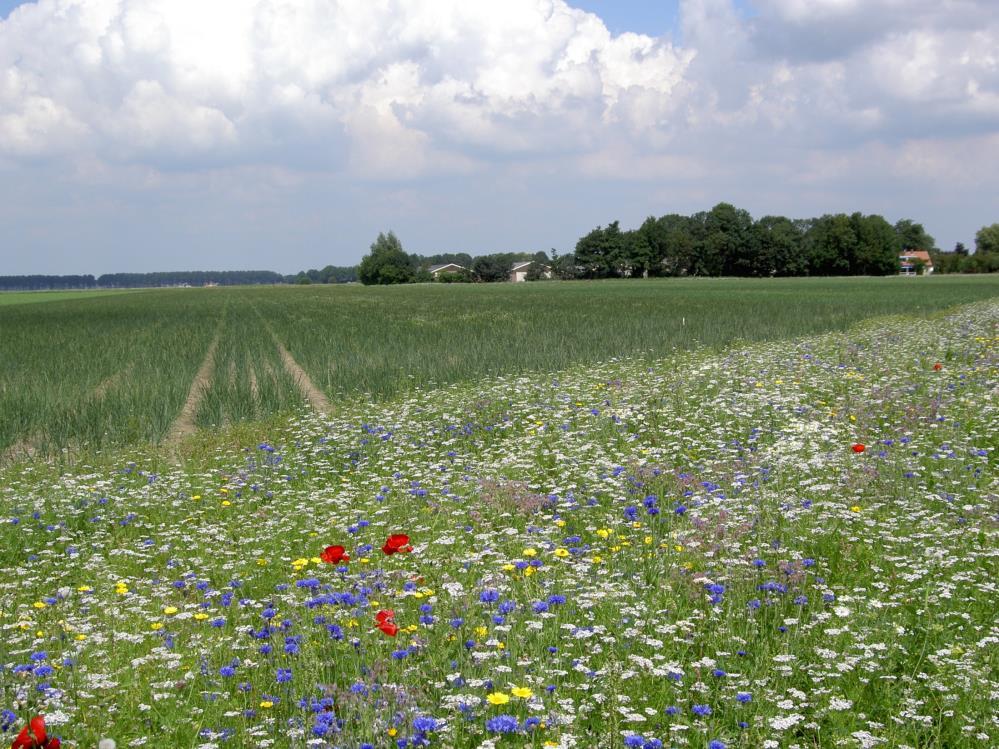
column 140, row 280
column 726, row 241
column 984, row 260
column 388, row 263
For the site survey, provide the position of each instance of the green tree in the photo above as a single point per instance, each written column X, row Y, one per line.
column 987, row 240
column 912, row 236
column 492, row 268
column 830, row 245
column 877, row 250
column 778, row 247
column 387, row 263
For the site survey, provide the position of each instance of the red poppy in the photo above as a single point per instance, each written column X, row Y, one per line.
column 937, row 367
column 397, row 542
column 858, row 448
column 334, row 554
column 385, row 620
column 35, row 738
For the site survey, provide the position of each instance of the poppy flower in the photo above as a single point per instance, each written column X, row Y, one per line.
column 36, row 737
column 334, row 554
column 397, row 542
column 385, row 620
column 858, row 448
column 937, row 367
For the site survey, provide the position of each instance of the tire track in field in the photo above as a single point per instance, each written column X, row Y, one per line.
column 184, row 426
column 314, row 395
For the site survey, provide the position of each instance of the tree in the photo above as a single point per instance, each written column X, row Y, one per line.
column 491, row 268
column 987, row 240
column 778, row 247
column 877, row 247
column 387, row 263
column 960, row 249
column 599, row 253
column 912, row 236
column 831, row 245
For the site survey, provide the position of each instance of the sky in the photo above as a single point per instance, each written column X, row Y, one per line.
column 143, row 135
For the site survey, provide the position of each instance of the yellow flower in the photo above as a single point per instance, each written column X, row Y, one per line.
column 170, row 610
column 266, row 704
column 855, row 508
column 226, row 503
column 261, row 562
column 498, row 698
column 523, row 692
column 481, row 631
column 528, row 571
column 678, row 547
column 84, row 589
column 316, row 560
column 39, row 604
column 561, row 553
column 597, row 559
column 156, row 626
column 196, row 496
column 560, row 523
column 530, row 552
column 603, row 532
column 392, row 731
column 201, row 616
column 81, row 637
column 508, row 567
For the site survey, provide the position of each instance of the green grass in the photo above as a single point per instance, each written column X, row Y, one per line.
column 33, row 297
column 89, row 373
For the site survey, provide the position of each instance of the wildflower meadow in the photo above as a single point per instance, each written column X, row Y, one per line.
column 779, row 544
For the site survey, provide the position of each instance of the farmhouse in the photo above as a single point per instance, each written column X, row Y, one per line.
column 910, row 261
column 437, row 270
column 519, row 271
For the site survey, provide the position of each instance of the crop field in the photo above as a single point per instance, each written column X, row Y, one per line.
column 757, row 543
column 151, row 367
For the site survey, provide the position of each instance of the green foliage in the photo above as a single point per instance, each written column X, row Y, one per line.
column 912, row 236
column 987, row 240
column 386, row 264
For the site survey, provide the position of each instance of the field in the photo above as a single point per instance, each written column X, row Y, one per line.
column 148, row 367
column 743, row 516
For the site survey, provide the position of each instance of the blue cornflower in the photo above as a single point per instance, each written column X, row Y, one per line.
column 489, row 596
column 502, row 724
column 227, row 671
column 671, row 710
column 283, row 675
column 425, row 724
column 701, row 710
column 634, row 740
column 716, row 744
column 653, row 744
column 743, row 697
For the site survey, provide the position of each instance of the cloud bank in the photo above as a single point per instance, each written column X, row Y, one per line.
column 119, row 114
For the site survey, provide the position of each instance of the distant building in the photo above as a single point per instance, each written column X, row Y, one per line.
column 436, row 270
column 910, row 261
column 520, row 270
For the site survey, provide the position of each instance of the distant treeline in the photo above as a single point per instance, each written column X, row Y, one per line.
column 141, row 280
column 726, row 241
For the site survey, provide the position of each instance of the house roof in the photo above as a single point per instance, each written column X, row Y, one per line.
column 922, row 255
column 444, row 266
column 521, row 265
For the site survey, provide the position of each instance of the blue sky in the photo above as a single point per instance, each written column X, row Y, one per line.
column 142, row 135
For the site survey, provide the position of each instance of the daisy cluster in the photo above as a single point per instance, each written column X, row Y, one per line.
column 792, row 544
